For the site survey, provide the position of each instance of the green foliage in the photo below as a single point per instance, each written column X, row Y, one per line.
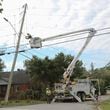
column 79, row 70
column 2, row 66
column 60, row 63
column 103, row 74
column 51, row 70
column 1, row 9
column 45, row 72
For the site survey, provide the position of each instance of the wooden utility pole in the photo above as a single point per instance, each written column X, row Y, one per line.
column 15, row 57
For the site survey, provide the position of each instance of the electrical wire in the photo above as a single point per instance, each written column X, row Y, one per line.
column 57, row 43
column 81, row 33
column 25, row 56
column 77, row 39
column 65, row 36
column 81, row 38
column 14, row 46
column 7, row 35
column 106, row 28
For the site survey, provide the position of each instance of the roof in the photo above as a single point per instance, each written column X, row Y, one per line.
column 3, row 82
column 19, row 77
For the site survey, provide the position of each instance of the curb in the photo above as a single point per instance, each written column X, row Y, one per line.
column 99, row 108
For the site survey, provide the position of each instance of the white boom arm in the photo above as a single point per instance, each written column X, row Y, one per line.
column 67, row 74
column 37, row 43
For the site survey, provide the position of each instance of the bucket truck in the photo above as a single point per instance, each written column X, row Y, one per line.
column 82, row 87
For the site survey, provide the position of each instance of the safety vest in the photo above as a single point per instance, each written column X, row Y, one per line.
column 48, row 92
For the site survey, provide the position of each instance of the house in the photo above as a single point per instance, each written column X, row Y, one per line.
column 3, row 85
column 20, row 83
column 108, row 89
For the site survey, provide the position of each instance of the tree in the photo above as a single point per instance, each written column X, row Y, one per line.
column 103, row 74
column 2, row 66
column 79, row 71
column 1, row 9
column 51, row 70
column 45, row 72
column 61, row 62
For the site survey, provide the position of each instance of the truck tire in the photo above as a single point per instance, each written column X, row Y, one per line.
column 79, row 94
column 82, row 96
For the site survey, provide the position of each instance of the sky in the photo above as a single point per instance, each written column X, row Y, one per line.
column 46, row 18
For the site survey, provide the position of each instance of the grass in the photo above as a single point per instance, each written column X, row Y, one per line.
column 20, row 103
column 105, row 105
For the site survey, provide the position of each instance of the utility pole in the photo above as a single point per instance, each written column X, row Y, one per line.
column 92, row 68
column 15, row 57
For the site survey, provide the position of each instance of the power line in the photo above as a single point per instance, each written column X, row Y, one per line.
column 6, row 35
column 81, row 33
column 58, row 43
column 14, row 46
column 11, row 52
column 67, row 40
column 25, row 56
column 65, row 36
column 102, row 34
column 49, row 15
column 81, row 38
column 106, row 28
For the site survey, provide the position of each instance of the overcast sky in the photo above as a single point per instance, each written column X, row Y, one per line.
column 46, row 18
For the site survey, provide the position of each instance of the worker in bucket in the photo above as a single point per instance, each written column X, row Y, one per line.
column 48, row 94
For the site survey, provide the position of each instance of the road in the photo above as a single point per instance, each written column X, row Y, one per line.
column 104, row 97
column 54, row 106
column 88, row 105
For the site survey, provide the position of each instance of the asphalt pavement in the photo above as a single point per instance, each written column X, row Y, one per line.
column 87, row 105
column 54, row 106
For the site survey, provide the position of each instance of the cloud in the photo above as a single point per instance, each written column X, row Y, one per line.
column 46, row 18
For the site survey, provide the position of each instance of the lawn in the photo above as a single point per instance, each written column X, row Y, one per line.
column 105, row 105
column 20, row 103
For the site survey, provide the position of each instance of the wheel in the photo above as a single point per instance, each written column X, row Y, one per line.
column 83, row 97
column 79, row 94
